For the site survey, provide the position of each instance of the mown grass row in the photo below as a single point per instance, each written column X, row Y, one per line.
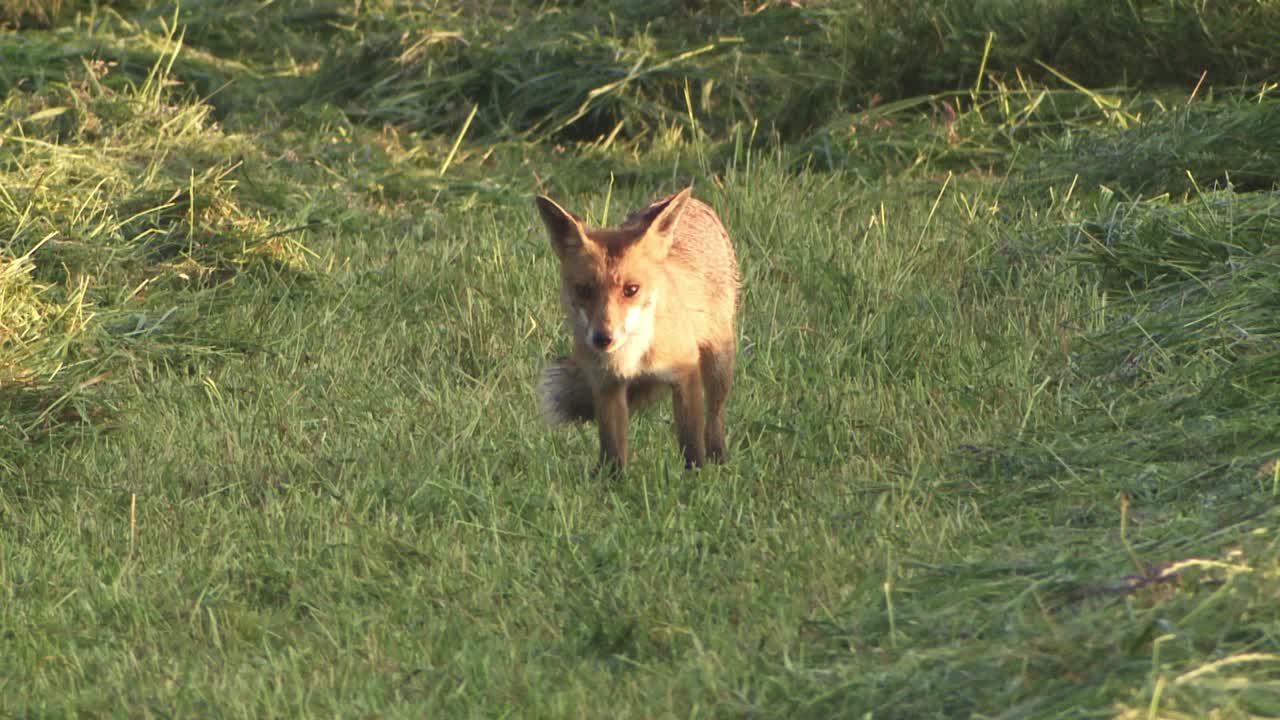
column 631, row 69
column 119, row 211
column 628, row 69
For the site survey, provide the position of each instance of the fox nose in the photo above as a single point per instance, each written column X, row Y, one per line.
column 601, row 339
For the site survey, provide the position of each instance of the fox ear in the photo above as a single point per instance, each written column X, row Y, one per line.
column 660, row 220
column 564, row 227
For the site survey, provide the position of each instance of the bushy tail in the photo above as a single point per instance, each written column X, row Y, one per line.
column 566, row 393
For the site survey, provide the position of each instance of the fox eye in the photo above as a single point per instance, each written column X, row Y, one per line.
column 630, row 290
column 583, row 291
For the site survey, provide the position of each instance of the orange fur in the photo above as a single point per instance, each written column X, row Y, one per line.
column 651, row 306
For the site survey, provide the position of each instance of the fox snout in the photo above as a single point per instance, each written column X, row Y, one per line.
column 599, row 333
column 613, row 328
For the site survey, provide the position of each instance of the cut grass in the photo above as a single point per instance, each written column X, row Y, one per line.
column 119, row 210
column 632, row 69
column 1003, row 431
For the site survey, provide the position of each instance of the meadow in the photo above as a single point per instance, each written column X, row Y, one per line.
column 274, row 299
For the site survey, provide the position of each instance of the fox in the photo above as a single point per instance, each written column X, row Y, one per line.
column 651, row 306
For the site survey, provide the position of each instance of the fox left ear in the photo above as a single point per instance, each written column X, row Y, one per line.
column 662, row 218
column 564, row 227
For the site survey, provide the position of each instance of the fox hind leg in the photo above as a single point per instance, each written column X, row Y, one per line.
column 687, row 408
column 717, row 379
column 642, row 393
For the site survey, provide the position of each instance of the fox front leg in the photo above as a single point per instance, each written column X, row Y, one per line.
column 612, row 416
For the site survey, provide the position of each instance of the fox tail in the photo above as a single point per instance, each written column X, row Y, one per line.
column 566, row 393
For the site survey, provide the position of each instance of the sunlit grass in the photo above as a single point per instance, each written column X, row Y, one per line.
column 1003, row 429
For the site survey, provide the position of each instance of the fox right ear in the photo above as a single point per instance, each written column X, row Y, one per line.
column 564, row 227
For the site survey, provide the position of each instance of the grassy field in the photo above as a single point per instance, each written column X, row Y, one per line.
column 274, row 299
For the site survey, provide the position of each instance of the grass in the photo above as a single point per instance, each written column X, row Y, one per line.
column 1003, row 431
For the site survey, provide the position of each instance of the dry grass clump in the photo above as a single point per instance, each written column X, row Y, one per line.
column 111, row 201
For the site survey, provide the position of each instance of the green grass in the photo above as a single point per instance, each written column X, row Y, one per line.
column 272, row 310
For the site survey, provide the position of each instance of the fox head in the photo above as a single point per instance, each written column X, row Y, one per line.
column 611, row 278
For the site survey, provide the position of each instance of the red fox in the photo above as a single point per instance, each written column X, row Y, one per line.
column 651, row 306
